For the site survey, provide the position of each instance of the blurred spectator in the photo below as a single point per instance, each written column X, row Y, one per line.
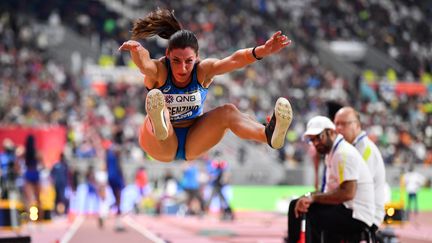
column 133, row 195
column 413, row 181
column 168, row 200
column 191, row 185
column 7, row 168
column 31, row 174
column 47, row 195
column 115, row 177
column 90, row 192
column 61, row 178
column 219, row 178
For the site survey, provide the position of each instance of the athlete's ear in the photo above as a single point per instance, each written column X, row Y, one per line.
column 166, row 52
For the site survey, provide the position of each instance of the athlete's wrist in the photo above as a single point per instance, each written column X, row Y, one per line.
column 254, row 54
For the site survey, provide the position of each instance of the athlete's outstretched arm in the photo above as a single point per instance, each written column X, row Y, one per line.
column 244, row 57
column 141, row 58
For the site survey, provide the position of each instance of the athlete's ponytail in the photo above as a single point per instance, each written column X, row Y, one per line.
column 163, row 23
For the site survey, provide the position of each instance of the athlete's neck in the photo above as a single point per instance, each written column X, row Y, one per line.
column 181, row 84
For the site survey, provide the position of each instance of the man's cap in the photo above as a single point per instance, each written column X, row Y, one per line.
column 317, row 124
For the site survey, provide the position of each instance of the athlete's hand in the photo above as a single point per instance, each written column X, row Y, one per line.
column 276, row 43
column 130, row 45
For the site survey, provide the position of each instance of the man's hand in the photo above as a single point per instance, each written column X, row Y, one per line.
column 302, row 206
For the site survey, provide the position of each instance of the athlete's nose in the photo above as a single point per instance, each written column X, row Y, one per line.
column 183, row 66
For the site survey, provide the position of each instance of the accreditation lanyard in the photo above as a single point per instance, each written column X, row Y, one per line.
column 323, row 183
column 360, row 138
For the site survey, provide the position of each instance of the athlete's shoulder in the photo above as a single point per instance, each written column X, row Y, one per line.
column 204, row 68
column 161, row 75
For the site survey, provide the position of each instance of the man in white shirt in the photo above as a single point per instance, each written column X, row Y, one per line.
column 347, row 204
column 347, row 122
column 412, row 181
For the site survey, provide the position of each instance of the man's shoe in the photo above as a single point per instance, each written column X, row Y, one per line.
column 101, row 222
column 155, row 103
column 278, row 126
column 118, row 226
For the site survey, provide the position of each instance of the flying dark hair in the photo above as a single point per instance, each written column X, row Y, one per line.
column 163, row 23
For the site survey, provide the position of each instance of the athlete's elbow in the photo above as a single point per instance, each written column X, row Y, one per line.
column 148, row 71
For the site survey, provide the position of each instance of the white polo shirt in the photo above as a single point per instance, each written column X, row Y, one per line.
column 413, row 181
column 375, row 163
column 344, row 163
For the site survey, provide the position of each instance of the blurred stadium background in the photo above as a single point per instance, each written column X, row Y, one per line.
column 62, row 79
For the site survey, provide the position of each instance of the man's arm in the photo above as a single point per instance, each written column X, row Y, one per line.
column 345, row 192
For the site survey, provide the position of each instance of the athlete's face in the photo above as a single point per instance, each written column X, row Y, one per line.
column 182, row 63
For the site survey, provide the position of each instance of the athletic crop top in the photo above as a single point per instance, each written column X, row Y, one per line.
column 184, row 103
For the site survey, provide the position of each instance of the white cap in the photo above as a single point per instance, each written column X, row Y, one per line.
column 317, row 124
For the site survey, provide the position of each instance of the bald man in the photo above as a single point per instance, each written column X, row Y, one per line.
column 347, row 122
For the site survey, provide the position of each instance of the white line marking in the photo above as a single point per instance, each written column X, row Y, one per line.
column 148, row 234
column 73, row 229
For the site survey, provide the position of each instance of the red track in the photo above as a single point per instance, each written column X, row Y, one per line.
column 248, row 227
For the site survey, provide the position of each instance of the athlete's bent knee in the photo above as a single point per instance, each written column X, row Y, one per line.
column 229, row 108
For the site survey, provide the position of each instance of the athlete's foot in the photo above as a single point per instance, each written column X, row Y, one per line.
column 278, row 126
column 155, row 103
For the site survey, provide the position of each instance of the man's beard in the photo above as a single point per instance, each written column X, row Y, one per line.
column 324, row 148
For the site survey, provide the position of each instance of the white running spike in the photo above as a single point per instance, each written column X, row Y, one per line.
column 283, row 113
column 155, row 103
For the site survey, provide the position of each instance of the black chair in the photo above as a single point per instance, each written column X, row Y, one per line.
column 367, row 234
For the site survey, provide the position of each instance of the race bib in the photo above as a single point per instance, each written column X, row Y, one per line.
column 182, row 106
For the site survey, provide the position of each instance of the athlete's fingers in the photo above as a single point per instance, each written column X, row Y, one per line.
column 278, row 33
column 129, row 45
column 283, row 38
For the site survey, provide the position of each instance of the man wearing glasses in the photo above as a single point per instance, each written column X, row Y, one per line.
column 347, row 122
column 347, row 203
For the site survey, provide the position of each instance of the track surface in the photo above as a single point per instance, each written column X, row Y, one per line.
column 248, row 227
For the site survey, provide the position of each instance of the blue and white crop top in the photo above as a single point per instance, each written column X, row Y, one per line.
column 184, row 103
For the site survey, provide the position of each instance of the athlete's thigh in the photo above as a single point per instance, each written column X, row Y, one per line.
column 161, row 150
column 205, row 133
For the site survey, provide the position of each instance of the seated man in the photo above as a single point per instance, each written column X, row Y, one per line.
column 347, row 203
column 347, row 122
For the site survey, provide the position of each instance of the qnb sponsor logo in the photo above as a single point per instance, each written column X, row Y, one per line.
column 169, row 99
column 183, row 99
